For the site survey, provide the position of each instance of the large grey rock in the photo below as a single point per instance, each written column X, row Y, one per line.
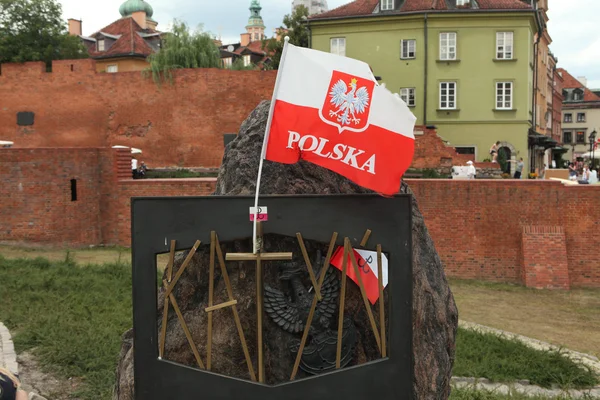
column 435, row 317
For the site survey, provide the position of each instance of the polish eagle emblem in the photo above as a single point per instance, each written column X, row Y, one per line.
column 348, row 102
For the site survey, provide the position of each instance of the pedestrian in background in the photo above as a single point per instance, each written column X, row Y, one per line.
column 471, row 171
column 519, row 168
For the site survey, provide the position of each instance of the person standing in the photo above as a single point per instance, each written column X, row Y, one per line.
column 593, row 177
column 494, row 151
column 471, row 171
column 519, row 168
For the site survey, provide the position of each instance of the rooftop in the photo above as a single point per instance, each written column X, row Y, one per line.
column 129, row 39
column 570, row 82
column 359, row 8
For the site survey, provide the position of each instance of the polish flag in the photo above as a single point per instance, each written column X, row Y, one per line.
column 330, row 110
column 367, row 266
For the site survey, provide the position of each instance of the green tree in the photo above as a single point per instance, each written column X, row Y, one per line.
column 295, row 24
column 238, row 65
column 33, row 30
column 182, row 48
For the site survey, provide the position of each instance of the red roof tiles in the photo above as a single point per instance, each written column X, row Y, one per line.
column 129, row 42
column 366, row 7
column 570, row 82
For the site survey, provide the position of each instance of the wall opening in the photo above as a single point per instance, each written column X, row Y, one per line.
column 71, row 67
column 73, row 189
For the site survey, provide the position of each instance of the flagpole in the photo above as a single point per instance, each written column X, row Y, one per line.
column 266, row 138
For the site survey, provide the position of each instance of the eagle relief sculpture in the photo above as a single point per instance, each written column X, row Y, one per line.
column 349, row 102
column 289, row 309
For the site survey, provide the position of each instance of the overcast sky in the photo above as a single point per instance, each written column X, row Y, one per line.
column 573, row 24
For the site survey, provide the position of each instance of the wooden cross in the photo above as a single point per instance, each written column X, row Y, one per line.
column 259, row 257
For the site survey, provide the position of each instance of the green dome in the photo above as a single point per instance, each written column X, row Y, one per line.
column 131, row 6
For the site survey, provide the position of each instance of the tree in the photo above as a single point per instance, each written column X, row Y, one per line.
column 295, row 24
column 182, row 48
column 33, row 30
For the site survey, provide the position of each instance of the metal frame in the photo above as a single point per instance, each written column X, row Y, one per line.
column 157, row 221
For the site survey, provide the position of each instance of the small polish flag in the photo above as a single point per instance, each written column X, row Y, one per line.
column 329, row 110
column 367, row 266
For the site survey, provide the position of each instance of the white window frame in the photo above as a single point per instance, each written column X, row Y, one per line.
column 387, row 5
column 445, row 98
column 462, row 2
column 112, row 68
column 504, row 95
column 505, row 45
column 246, row 59
column 448, row 46
column 406, row 94
column 337, row 46
column 581, row 119
column 100, row 45
column 227, row 62
column 409, row 43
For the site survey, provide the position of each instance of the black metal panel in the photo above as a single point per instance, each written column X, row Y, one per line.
column 25, row 118
column 228, row 138
column 156, row 221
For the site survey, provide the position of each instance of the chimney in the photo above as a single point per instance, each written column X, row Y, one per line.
column 140, row 18
column 75, row 27
column 244, row 39
column 582, row 80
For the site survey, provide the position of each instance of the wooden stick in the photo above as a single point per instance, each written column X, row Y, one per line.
column 229, row 303
column 365, row 238
column 263, row 256
column 211, row 290
column 259, row 308
column 163, row 331
column 338, row 356
column 188, row 335
column 365, row 299
column 311, row 273
column 313, row 307
column 381, row 302
column 183, row 267
column 236, row 316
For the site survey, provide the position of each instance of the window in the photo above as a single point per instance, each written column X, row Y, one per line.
column 580, row 117
column 447, row 95
column 504, row 95
column 408, row 95
column 567, row 137
column 580, row 137
column 73, row 189
column 448, row 46
column 246, row 60
column 504, row 45
column 408, row 48
column 387, row 5
column 100, row 45
column 112, row 68
column 227, row 62
column 462, row 3
column 577, row 95
column 465, row 150
column 338, row 46
column 569, row 117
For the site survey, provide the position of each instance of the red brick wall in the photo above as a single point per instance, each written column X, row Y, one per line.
column 35, row 195
column 477, row 225
column 544, row 264
column 175, row 125
column 432, row 153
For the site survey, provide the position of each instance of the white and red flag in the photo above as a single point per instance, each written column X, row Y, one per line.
column 367, row 267
column 329, row 110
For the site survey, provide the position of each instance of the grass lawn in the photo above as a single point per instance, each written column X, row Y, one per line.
column 73, row 316
column 564, row 318
column 469, row 394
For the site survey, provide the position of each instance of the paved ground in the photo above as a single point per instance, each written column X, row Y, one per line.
column 8, row 357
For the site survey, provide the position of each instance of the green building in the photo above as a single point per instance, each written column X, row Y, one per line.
column 463, row 66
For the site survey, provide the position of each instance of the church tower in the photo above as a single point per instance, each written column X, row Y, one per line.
column 256, row 26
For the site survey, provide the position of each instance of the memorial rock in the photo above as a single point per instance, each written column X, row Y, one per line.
column 435, row 316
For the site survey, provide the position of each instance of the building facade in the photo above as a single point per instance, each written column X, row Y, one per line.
column 580, row 116
column 313, row 6
column 464, row 66
column 125, row 44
